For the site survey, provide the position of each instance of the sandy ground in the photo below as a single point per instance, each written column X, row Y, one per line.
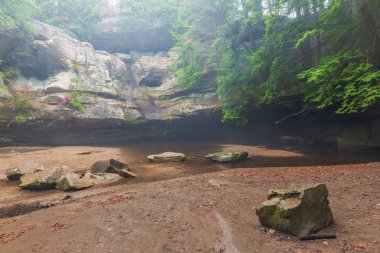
column 195, row 206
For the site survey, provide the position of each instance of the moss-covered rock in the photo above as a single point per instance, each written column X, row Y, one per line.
column 228, row 157
column 298, row 210
column 73, row 182
column 43, row 180
column 167, row 157
column 22, row 169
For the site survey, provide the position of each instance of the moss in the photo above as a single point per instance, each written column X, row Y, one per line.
column 20, row 119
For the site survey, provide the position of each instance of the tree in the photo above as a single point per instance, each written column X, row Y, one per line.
column 14, row 13
column 265, row 50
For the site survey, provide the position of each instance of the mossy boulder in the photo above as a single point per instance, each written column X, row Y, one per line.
column 43, row 180
column 297, row 210
column 167, row 157
column 23, row 169
column 73, row 182
column 108, row 166
column 228, row 157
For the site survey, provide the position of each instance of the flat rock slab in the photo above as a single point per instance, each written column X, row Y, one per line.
column 297, row 210
column 43, row 180
column 127, row 173
column 228, row 157
column 106, row 177
column 167, row 157
column 23, row 169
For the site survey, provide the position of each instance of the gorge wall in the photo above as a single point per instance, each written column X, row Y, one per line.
column 61, row 91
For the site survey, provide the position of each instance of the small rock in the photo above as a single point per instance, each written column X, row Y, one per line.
column 228, row 157
column 127, row 173
column 108, row 166
column 72, row 182
column 85, row 153
column 167, row 157
column 298, row 210
column 378, row 206
column 25, row 168
column 43, row 180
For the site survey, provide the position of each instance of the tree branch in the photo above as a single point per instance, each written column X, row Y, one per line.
column 293, row 115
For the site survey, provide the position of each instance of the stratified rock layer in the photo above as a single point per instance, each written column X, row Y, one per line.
column 68, row 79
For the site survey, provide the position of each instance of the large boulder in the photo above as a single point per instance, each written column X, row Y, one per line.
column 73, row 182
column 297, row 210
column 43, row 180
column 228, row 157
column 22, row 169
column 167, row 157
column 108, row 166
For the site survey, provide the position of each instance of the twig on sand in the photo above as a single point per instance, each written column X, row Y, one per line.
column 317, row 237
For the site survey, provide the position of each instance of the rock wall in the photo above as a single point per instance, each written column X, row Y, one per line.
column 54, row 69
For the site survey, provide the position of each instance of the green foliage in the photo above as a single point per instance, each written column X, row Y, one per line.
column 20, row 119
column 323, row 50
column 76, row 94
column 77, row 18
column 345, row 80
column 3, row 121
column 138, row 12
column 76, row 101
column 13, row 13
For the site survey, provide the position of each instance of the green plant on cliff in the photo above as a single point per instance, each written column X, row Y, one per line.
column 76, row 94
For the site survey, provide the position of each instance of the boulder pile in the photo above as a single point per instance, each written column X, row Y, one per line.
column 35, row 177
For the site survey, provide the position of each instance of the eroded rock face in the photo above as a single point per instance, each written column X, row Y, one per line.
column 167, row 157
column 57, row 71
column 43, row 180
column 23, row 169
column 228, row 157
column 298, row 210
